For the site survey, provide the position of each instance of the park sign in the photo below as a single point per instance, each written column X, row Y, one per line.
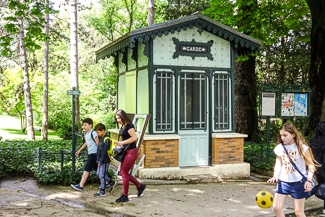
column 74, row 92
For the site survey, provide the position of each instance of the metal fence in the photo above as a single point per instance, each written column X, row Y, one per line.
column 37, row 160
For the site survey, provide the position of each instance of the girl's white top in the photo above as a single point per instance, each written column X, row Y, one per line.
column 288, row 173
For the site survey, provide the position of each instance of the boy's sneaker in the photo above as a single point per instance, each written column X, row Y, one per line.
column 100, row 194
column 77, row 187
column 122, row 199
column 141, row 189
column 107, row 185
column 111, row 186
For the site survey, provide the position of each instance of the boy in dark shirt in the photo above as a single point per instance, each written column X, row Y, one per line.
column 103, row 160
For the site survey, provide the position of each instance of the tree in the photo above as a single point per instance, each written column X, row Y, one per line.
column 317, row 59
column 244, row 13
column 282, row 28
column 118, row 17
column 46, row 78
column 26, row 20
column 151, row 12
column 97, row 80
column 74, row 55
column 245, row 77
column 173, row 9
column 26, row 86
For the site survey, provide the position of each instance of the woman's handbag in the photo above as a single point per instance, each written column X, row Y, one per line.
column 320, row 192
column 119, row 152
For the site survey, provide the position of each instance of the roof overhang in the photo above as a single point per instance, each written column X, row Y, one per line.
column 198, row 20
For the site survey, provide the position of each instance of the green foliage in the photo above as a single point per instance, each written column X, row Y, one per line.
column 111, row 174
column 14, row 152
column 173, row 9
column 48, row 161
column 281, row 26
column 260, row 135
column 11, row 91
column 30, row 14
column 260, row 156
column 117, row 17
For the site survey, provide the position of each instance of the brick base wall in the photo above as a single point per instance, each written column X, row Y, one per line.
column 160, row 153
column 165, row 152
column 227, row 150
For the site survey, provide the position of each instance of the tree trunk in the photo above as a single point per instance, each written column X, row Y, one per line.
column 151, row 12
column 317, row 63
column 74, row 55
column 27, row 94
column 46, row 81
column 245, row 97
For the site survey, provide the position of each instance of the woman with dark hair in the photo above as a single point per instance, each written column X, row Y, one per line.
column 129, row 138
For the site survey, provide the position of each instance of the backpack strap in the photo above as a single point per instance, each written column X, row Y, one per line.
column 91, row 134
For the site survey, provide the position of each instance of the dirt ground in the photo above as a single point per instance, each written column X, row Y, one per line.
column 23, row 197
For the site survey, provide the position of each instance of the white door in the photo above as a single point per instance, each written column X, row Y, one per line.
column 193, row 121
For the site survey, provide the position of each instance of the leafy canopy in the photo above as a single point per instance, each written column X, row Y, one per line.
column 31, row 14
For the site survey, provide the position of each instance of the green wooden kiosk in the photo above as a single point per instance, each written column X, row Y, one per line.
column 181, row 72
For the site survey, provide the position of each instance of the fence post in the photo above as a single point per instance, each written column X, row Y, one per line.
column 39, row 160
column 268, row 123
column 62, row 160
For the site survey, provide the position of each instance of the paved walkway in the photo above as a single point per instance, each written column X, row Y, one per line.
column 161, row 198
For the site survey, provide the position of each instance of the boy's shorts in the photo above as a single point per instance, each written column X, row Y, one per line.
column 91, row 163
column 294, row 189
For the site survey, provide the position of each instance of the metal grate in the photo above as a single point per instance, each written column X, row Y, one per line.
column 164, row 101
column 193, row 104
column 221, row 102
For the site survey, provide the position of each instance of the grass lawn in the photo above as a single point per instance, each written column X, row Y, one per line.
column 10, row 130
column 18, row 134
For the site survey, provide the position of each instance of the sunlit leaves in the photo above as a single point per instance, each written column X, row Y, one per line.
column 31, row 13
column 283, row 27
column 173, row 9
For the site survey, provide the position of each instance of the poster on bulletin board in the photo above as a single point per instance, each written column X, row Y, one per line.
column 268, row 104
column 300, row 104
column 294, row 104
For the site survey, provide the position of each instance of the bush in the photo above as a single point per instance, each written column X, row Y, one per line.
column 61, row 122
column 47, row 161
column 51, row 161
column 260, row 156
